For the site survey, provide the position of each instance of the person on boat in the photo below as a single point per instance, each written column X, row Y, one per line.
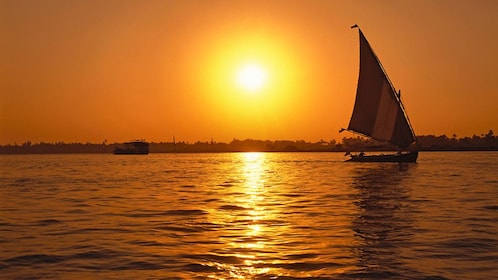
column 361, row 154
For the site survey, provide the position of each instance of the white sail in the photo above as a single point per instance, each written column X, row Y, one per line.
column 378, row 112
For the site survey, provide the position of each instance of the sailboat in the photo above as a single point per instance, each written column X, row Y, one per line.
column 378, row 112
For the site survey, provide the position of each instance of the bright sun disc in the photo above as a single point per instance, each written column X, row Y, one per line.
column 251, row 77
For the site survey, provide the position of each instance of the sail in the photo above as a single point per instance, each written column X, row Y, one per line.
column 378, row 111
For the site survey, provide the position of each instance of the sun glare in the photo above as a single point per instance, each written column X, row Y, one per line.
column 251, row 77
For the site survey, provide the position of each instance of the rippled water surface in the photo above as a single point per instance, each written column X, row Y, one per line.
column 248, row 216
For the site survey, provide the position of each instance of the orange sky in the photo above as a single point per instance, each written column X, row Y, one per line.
column 85, row 71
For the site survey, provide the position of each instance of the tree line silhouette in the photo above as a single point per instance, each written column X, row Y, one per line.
column 484, row 142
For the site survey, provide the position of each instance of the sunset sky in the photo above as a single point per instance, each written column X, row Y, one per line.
column 85, row 71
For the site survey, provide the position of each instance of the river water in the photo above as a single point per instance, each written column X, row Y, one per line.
column 248, row 216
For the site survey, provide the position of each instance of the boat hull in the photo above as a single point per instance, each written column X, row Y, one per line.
column 400, row 157
column 133, row 148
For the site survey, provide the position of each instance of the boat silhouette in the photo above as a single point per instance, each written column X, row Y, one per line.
column 378, row 112
column 135, row 147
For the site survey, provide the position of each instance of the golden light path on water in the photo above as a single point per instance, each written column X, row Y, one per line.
column 251, row 200
column 254, row 169
column 264, row 226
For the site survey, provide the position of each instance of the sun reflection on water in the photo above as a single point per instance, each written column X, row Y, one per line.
column 254, row 188
column 247, row 231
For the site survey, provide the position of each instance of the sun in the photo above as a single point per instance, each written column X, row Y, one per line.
column 251, row 77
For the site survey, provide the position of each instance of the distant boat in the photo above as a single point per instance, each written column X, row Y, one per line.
column 378, row 112
column 136, row 147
